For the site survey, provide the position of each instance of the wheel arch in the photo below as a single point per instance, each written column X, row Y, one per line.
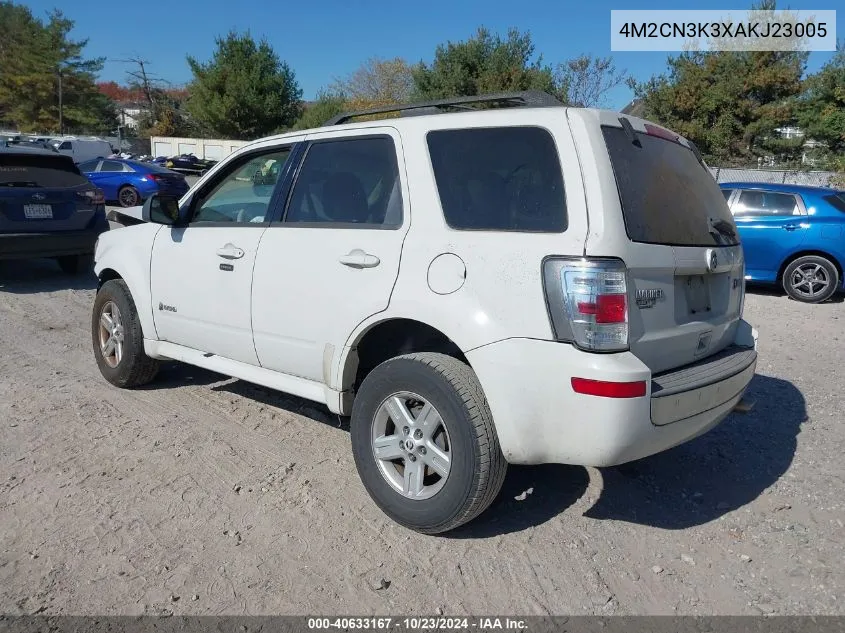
column 387, row 338
column 124, row 254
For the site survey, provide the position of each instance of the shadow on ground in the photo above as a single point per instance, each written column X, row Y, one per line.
column 32, row 276
column 765, row 290
column 689, row 485
column 714, row 474
column 172, row 375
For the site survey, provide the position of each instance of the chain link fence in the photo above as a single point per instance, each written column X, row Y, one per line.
column 787, row 177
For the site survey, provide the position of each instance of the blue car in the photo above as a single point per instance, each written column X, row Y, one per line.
column 792, row 235
column 130, row 182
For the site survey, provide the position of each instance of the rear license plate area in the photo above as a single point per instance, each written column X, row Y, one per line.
column 38, row 211
column 697, row 290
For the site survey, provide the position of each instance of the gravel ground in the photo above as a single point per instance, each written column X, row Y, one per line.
column 206, row 495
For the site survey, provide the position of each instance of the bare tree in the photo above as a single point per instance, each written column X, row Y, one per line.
column 381, row 81
column 584, row 81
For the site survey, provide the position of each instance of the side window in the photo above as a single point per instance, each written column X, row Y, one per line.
column 89, row 166
column 66, row 145
column 241, row 194
column 348, row 181
column 727, row 193
column 499, row 179
column 752, row 202
column 111, row 165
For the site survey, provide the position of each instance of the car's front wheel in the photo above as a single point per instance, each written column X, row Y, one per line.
column 424, row 442
column 810, row 279
column 118, row 339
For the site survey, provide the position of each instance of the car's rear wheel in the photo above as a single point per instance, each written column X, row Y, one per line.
column 76, row 264
column 118, row 339
column 128, row 196
column 810, row 279
column 424, row 442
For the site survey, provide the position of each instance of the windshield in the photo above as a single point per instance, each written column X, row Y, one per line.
column 667, row 195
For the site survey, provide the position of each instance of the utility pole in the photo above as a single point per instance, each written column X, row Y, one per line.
column 61, row 108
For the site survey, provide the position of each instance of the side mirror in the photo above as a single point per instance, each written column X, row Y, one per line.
column 161, row 209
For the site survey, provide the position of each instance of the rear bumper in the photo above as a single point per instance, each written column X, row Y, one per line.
column 540, row 419
column 30, row 245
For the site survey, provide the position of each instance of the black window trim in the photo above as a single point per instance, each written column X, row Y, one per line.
column 282, row 184
column 449, row 227
column 307, row 145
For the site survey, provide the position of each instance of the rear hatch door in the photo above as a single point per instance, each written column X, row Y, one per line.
column 43, row 193
column 672, row 227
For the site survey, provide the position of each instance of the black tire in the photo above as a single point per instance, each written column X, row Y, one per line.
column 128, row 196
column 478, row 467
column 134, row 368
column 76, row 264
column 821, row 268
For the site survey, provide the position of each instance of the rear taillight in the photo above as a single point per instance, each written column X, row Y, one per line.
column 93, row 196
column 588, row 302
column 154, row 177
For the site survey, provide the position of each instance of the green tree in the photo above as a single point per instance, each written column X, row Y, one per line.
column 729, row 103
column 46, row 84
column 327, row 105
column 484, row 63
column 821, row 108
column 245, row 91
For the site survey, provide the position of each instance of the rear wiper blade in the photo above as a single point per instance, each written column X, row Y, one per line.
column 722, row 227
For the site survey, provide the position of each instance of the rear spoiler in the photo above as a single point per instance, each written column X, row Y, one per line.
column 654, row 130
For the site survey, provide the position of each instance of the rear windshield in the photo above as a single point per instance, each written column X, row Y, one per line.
column 667, row 195
column 499, row 179
column 38, row 170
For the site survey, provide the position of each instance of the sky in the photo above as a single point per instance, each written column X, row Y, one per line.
column 328, row 39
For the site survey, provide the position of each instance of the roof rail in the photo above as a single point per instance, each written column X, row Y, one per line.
column 526, row 98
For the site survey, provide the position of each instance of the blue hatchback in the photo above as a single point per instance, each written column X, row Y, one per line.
column 792, row 235
column 130, row 182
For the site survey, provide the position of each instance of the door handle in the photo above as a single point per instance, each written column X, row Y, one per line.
column 357, row 258
column 791, row 227
column 230, row 251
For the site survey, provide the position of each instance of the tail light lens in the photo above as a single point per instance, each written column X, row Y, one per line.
column 154, row 177
column 588, row 302
column 93, row 196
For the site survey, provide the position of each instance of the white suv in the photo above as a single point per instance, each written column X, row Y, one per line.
column 510, row 285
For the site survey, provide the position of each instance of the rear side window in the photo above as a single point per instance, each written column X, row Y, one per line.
column 499, row 179
column 837, row 201
column 111, row 165
column 667, row 195
column 37, row 171
column 759, row 203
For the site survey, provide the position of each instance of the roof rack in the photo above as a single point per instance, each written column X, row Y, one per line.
column 527, row 98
